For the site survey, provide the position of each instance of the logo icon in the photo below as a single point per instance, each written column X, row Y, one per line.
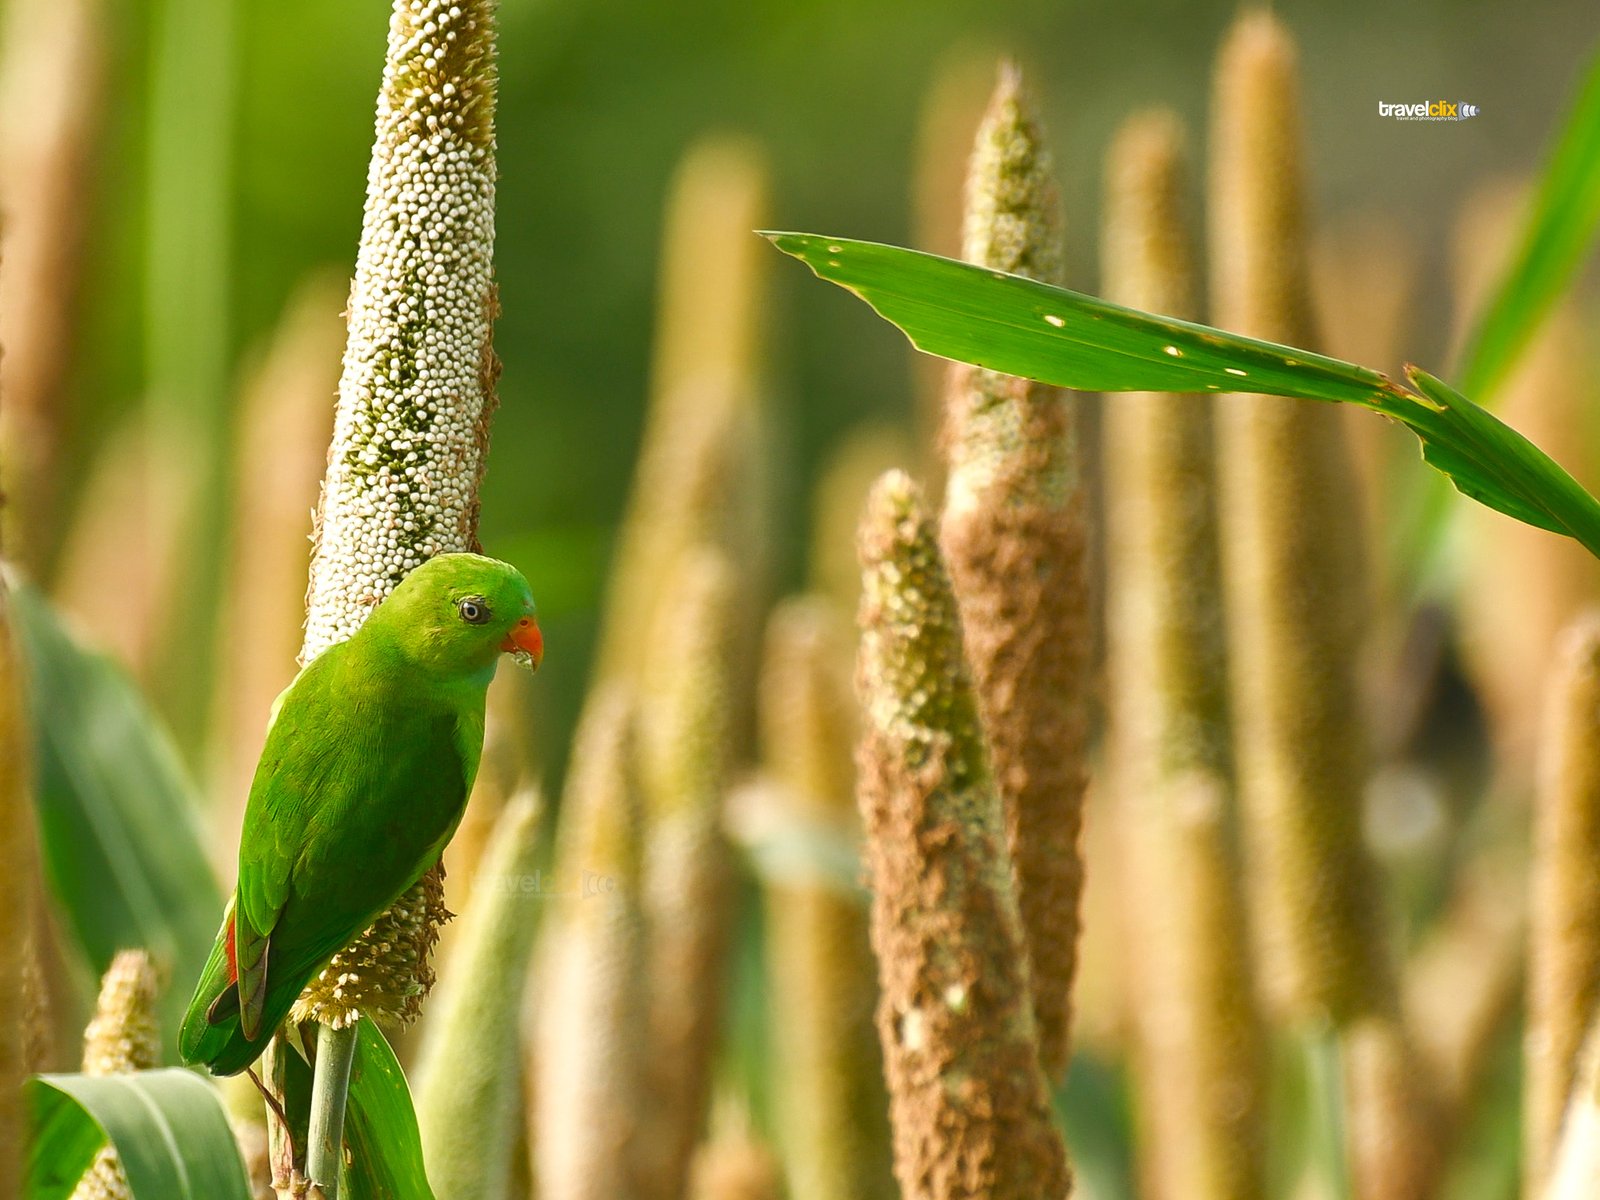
column 1429, row 110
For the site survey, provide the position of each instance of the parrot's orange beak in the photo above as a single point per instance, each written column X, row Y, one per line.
column 525, row 636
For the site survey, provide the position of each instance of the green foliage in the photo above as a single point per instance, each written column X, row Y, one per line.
column 117, row 817
column 1555, row 242
column 381, row 1137
column 168, row 1127
column 1022, row 327
column 381, row 1129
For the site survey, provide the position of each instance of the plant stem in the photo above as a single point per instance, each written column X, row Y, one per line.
column 330, row 1088
column 1325, row 1087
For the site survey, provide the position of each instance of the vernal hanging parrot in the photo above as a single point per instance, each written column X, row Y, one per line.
column 368, row 762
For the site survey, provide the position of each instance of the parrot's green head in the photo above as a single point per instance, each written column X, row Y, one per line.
column 457, row 613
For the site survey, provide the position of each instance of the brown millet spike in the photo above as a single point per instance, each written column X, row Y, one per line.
column 968, row 1098
column 1015, row 535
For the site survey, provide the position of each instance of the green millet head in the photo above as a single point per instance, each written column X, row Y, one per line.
column 913, row 680
column 1013, row 213
column 124, row 1034
column 417, row 390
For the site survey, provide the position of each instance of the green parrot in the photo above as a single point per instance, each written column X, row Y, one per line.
column 368, row 762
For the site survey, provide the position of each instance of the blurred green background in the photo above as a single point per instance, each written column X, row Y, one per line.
column 258, row 180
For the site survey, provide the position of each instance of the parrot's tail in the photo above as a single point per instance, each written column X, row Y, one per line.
column 197, row 1037
column 223, row 1046
column 211, row 1034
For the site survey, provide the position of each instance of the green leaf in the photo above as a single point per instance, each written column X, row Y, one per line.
column 1022, row 327
column 380, row 1130
column 117, row 829
column 1019, row 326
column 168, row 1127
column 1555, row 242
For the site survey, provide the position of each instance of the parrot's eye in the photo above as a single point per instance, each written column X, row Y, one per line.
column 474, row 610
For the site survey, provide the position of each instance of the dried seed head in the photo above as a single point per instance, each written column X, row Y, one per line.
column 1546, row 396
column 1009, row 441
column 1576, row 1163
column 968, row 1099
column 124, row 1034
column 684, row 701
column 417, row 392
column 22, row 1021
column 385, row 972
column 1397, row 1131
column 1015, row 535
column 105, row 1179
column 52, row 97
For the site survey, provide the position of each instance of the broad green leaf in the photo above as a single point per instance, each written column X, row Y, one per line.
column 1021, row 327
column 117, row 826
column 1557, row 239
column 168, row 1127
column 380, row 1129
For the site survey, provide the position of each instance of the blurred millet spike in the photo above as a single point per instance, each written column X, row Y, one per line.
column 1200, row 1069
column 685, row 718
column 590, row 1035
column 828, row 1068
column 124, row 1035
column 417, row 390
column 1291, row 568
column 1564, row 924
column 969, row 1101
column 1015, row 535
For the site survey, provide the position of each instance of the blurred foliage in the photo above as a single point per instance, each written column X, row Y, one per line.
column 118, row 836
column 598, row 102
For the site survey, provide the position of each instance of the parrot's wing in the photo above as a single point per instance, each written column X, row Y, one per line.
column 274, row 830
